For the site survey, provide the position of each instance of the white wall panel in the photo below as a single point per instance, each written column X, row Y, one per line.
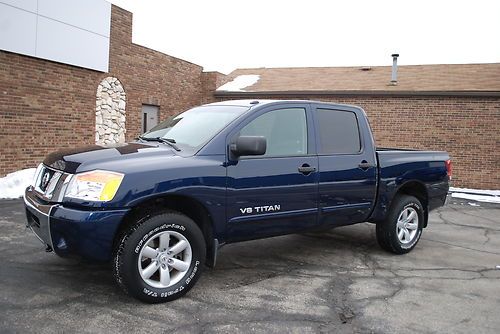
column 29, row 5
column 67, row 44
column 92, row 15
column 74, row 32
column 17, row 30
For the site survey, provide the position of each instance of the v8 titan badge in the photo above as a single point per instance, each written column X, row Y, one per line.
column 261, row 209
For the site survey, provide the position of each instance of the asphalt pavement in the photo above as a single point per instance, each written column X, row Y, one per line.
column 338, row 281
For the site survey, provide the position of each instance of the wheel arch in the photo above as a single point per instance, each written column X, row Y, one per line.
column 416, row 189
column 186, row 205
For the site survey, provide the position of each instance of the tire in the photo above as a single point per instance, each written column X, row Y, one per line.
column 400, row 232
column 160, row 258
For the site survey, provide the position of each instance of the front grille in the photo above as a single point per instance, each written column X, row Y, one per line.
column 49, row 183
column 45, row 178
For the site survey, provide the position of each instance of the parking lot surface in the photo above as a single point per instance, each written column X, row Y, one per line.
column 337, row 281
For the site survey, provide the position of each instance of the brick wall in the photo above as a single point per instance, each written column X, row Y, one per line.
column 210, row 81
column 150, row 77
column 468, row 128
column 45, row 106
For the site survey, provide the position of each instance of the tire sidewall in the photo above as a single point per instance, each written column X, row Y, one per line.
column 132, row 248
column 409, row 203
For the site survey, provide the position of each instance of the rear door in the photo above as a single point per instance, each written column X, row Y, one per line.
column 276, row 193
column 347, row 165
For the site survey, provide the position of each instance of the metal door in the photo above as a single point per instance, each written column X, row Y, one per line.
column 149, row 117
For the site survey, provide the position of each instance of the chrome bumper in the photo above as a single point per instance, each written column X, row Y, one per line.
column 38, row 218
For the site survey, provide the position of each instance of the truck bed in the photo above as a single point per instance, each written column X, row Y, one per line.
column 400, row 167
column 390, row 156
column 394, row 149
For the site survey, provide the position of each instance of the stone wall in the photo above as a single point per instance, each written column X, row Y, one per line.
column 110, row 112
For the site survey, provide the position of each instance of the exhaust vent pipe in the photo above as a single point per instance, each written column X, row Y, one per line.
column 394, row 76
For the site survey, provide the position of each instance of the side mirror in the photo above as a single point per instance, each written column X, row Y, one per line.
column 249, row 145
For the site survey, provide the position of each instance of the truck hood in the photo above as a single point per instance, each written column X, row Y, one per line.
column 114, row 158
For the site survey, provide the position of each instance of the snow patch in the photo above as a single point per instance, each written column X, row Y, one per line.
column 478, row 195
column 14, row 184
column 239, row 83
column 477, row 198
column 475, row 191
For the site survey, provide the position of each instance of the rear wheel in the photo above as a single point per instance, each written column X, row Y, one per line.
column 400, row 232
column 159, row 259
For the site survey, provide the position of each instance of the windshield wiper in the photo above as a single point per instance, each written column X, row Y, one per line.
column 168, row 141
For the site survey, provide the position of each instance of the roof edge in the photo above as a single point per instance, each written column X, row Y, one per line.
column 357, row 93
column 356, row 66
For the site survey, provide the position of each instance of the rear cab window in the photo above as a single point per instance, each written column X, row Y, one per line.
column 338, row 132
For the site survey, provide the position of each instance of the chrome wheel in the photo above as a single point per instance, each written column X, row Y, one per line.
column 164, row 259
column 407, row 225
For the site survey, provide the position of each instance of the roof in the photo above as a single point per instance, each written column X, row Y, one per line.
column 240, row 103
column 257, row 102
column 412, row 79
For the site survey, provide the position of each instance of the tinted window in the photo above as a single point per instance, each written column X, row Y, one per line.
column 338, row 131
column 193, row 128
column 285, row 131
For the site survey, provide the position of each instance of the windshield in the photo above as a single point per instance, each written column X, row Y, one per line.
column 192, row 129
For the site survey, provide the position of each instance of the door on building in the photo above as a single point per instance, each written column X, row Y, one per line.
column 149, row 117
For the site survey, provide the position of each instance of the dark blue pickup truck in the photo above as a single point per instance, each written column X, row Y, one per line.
column 160, row 207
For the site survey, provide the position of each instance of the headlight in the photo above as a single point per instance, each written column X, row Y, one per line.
column 97, row 185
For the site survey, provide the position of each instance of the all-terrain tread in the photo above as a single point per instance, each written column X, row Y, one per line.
column 386, row 229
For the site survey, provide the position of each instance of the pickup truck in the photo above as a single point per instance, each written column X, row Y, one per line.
column 160, row 207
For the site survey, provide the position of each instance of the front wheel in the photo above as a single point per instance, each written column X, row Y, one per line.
column 159, row 259
column 402, row 228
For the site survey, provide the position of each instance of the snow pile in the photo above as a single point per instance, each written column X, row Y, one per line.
column 240, row 82
column 14, row 184
column 488, row 196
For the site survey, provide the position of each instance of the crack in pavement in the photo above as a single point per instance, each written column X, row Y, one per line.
column 448, row 222
column 463, row 247
column 336, row 281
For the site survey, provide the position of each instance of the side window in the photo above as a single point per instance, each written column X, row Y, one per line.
column 338, row 132
column 285, row 131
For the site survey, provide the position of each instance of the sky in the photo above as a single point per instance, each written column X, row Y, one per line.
column 222, row 35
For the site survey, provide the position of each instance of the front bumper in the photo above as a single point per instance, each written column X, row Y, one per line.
column 73, row 231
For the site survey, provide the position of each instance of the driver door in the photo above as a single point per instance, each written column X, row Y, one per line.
column 275, row 193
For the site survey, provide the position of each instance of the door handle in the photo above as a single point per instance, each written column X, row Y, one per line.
column 306, row 169
column 364, row 165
